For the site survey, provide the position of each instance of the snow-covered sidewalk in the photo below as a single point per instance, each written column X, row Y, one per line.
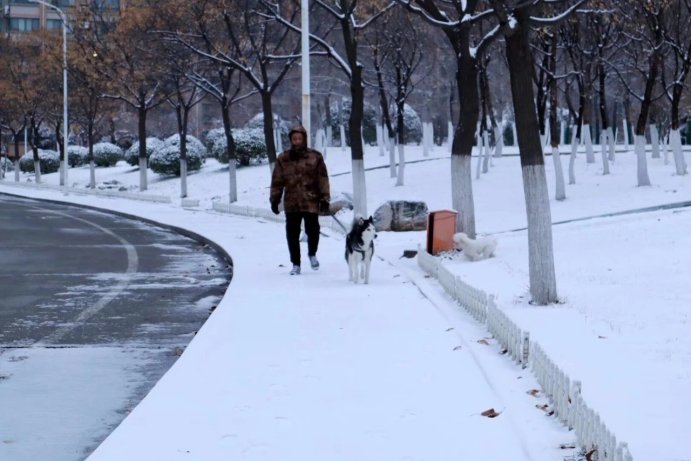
column 313, row 367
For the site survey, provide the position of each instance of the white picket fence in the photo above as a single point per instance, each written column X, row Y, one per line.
column 565, row 398
column 85, row 191
column 239, row 210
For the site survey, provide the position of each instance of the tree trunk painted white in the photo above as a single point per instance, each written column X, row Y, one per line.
column 330, row 137
column 586, row 135
column 402, row 166
column 92, row 175
column 664, row 147
column 573, row 156
column 342, row 133
column 486, row 149
column 655, row 146
column 183, row 178
column 380, row 139
column 143, row 174
column 604, row 152
column 611, row 144
column 632, row 136
column 16, row 171
column 392, row 159
column 62, row 172
column 479, row 152
column 360, row 201
column 543, row 137
column 642, row 169
column 514, row 133
column 499, row 142
column 232, row 183
column 279, row 142
column 625, row 133
column 559, row 175
column 462, row 194
column 678, row 157
column 431, row 137
column 563, row 132
column 543, row 284
column 450, row 135
column 426, row 141
column 37, row 172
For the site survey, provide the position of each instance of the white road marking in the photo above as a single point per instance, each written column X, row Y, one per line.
column 118, row 288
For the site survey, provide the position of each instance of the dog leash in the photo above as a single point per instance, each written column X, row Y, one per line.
column 339, row 223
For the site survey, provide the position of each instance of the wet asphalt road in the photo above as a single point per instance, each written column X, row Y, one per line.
column 78, row 280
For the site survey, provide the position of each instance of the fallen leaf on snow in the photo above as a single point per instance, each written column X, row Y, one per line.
column 542, row 407
column 483, row 341
column 533, row 392
column 490, row 413
column 504, row 352
column 179, row 351
column 567, row 446
column 213, row 308
column 449, row 329
column 602, row 337
column 590, row 455
column 281, row 265
column 456, row 348
column 519, row 377
column 427, row 277
column 551, row 413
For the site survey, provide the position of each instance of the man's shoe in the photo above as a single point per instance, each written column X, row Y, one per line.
column 314, row 263
column 295, row 270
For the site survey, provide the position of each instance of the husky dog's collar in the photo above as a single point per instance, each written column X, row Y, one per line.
column 362, row 252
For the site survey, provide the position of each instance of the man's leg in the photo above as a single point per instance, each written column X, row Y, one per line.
column 293, row 236
column 312, row 229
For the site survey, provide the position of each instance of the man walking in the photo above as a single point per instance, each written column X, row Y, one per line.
column 302, row 174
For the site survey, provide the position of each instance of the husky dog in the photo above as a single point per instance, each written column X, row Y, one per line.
column 474, row 249
column 360, row 249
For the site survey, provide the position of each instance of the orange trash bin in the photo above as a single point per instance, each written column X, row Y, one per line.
column 442, row 225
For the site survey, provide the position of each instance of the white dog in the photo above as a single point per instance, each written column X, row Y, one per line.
column 475, row 249
column 360, row 249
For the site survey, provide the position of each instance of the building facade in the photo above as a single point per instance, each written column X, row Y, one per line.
column 28, row 16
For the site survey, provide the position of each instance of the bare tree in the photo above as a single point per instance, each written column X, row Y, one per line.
column 515, row 22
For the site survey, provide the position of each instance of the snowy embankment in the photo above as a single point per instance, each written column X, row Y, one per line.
column 313, row 367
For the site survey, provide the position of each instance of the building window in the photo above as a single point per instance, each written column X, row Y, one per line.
column 21, row 2
column 53, row 24
column 24, row 24
column 63, row 3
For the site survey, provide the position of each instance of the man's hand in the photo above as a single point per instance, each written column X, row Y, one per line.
column 275, row 208
column 324, row 207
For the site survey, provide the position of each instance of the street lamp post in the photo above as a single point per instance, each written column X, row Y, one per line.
column 305, row 64
column 63, row 18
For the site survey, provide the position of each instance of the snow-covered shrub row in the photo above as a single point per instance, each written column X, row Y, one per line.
column 6, row 164
column 166, row 160
column 49, row 162
column 193, row 145
column 77, row 156
column 132, row 154
column 368, row 127
column 413, row 128
column 107, row 154
column 250, row 147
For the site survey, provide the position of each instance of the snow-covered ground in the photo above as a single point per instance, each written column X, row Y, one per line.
column 623, row 330
column 314, row 367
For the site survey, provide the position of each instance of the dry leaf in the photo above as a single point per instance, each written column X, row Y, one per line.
column 567, row 446
column 504, row 352
column 213, row 308
column 569, row 399
column 483, row 341
column 456, row 348
column 602, row 337
column 179, row 351
column 542, row 407
column 490, row 413
column 427, row 276
column 533, row 392
column 519, row 377
column 551, row 413
column 281, row 265
column 590, row 455
column 449, row 329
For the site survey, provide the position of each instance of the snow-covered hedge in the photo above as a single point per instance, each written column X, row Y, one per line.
column 49, row 161
column 257, row 123
column 213, row 136
column 6, row 164
column 107, row 154
column 193, row 145
column 369, row 122
column 77, row 155
column 132, row 154
column 166, row 160
column 413, row 128
column 250, row 147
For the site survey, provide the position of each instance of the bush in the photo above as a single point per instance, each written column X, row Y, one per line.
column 250, row 147
column 194, row 145
column 413, row 128
column 77, row 156
column 166, row 160
column 369, row 122
column 213, row 136
column 49, row 161
column 257, row 123
column 6, row 164
column 107, row 154
column 132, row 154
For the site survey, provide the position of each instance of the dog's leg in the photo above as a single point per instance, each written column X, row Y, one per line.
column 354, row 271
column 367, row 271
column 350, row 270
